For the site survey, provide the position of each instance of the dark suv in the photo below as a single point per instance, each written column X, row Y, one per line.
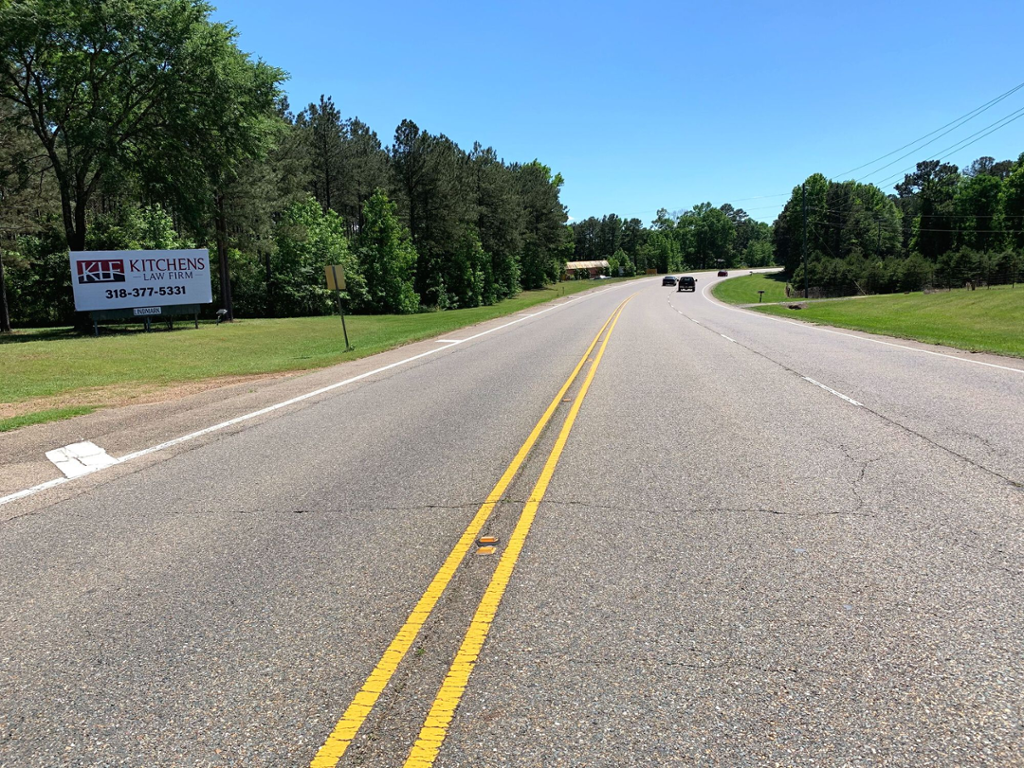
column 668, row 280
column 687, row 283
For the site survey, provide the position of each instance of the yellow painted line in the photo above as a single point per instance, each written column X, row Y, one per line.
column 354, row 717
column 435, row 728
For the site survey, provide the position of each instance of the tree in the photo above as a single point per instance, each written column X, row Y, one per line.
column 322, row 127
column 147, row 85
column 499, row 220
column 364, row 169
column 547, row 242
column 387, row 258
column 435, row 176
column 660, row 252
column 253, row 200
column 609, row 236
column 308, row 239
column 633, row 237
column 987, row 166
column 978, row 209
column 585, row 236
column 934, row 184
column 1012, row 205
column 21, row 177
column 710, row 235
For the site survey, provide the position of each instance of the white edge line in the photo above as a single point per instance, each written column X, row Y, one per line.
column 829, row 389
column 855, row 336
column 270, row 408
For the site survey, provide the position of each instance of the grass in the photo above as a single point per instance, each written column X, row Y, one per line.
column 985, row 320
column 51, row 362
column 743, row 290
column 41, row 417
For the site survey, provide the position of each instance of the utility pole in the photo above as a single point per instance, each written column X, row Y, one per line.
column 803, row 194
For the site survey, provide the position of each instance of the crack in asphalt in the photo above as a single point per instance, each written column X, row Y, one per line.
column 855, row 485
column 548, row 658
column 883, row 417
column 712, row 510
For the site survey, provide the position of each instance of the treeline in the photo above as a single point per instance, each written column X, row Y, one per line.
column 134, row 124
column 943, row 228
column 704, row 237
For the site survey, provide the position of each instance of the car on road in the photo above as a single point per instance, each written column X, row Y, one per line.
column 687, row 283
column 723, row 273
column 668, row 280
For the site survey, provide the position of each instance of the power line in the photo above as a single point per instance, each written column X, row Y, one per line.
column 958, row 122
column 957, row 147
column 903, row 157
column 923, row 215
column 964, row 118
column 834, row 225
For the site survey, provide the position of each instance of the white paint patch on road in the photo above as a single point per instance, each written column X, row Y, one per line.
column 850, row 400
column 448, row 341
column 270, row 408
column 696, row 321
column 80, row 459
column 727, row 338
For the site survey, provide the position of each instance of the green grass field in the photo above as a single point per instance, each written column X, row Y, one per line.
column 985, row 320
column 743, row 290
column 54, row 362
column 40, row 417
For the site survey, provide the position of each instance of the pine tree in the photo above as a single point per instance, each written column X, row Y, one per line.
column 387, row 258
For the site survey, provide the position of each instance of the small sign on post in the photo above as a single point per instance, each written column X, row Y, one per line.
column 336, row 282
column 335, row 277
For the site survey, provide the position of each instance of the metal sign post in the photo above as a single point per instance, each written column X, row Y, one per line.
column 336, row 282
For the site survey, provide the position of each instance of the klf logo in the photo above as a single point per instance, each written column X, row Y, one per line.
column 101, row 271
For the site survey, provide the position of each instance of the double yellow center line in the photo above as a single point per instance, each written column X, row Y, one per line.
column 434, row 730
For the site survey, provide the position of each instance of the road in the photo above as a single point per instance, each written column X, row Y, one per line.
column 723, row 539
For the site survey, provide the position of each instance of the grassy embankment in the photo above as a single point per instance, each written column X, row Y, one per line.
column 985, row 320
column 52, row 374
column 743, row 290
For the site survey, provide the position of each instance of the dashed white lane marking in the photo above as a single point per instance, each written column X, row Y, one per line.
column 727, row 338
column 855, row 336
column 850, row 400
column 80, row 459
column 88, row 470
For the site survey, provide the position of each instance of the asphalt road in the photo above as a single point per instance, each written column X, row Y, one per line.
column 761, row 543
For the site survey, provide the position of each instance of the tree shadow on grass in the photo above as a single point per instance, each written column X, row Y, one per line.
column 48, row 334
column 65, row 333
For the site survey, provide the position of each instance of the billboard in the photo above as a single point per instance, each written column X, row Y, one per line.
column 130, row 279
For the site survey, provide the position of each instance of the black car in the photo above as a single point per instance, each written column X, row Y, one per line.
column 687, row 283
column 668, row 280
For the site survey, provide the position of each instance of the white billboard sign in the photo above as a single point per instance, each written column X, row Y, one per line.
column 129, row 279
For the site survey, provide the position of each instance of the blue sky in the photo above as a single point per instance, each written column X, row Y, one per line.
column 645, row 105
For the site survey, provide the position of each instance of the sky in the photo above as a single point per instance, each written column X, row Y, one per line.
column 646, row 105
